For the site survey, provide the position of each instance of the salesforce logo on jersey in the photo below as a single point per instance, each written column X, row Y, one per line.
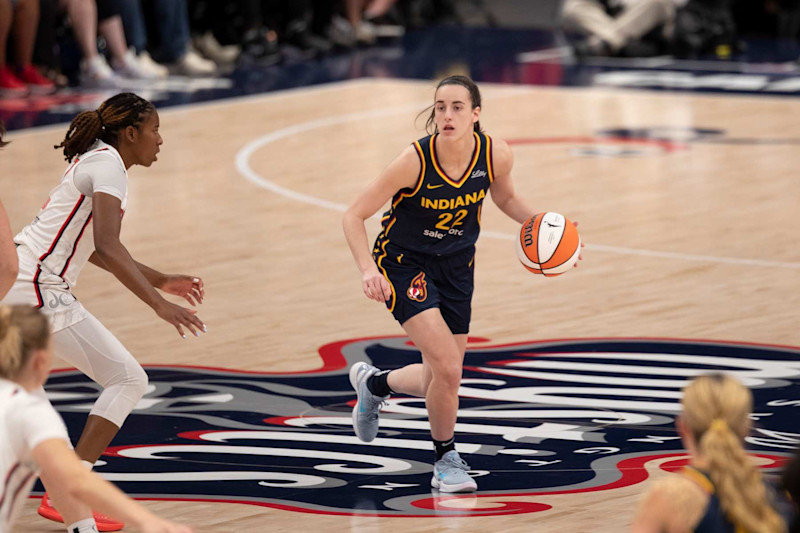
column 535, row 419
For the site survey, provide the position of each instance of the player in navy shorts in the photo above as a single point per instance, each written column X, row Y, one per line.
column 423, row 262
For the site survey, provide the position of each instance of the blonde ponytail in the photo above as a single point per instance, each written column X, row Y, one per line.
column 10, row 345
column 23, row 329
column 716, row 409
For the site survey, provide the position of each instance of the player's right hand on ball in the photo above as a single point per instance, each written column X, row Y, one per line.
column 180, row 317
column 375, row 286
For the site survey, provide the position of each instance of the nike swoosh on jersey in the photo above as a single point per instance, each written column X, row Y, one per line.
column 429, row 186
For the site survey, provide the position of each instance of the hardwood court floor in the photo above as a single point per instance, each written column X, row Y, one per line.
column 689, row 241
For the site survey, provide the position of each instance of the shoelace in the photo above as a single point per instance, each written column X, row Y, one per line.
column 375, row 415
column 458, row 463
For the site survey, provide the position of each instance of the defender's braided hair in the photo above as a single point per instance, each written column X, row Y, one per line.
column 113, row 116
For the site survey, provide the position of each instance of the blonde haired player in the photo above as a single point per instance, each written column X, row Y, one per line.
column 80, row 222
column 33, row 439
column 721, row 490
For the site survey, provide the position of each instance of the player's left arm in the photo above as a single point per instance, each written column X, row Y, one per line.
column 502, row 188
column 188, row 287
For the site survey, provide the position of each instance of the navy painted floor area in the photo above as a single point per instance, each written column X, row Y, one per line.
column 536, row 418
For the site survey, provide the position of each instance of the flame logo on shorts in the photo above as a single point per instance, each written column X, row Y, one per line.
column 418, row 290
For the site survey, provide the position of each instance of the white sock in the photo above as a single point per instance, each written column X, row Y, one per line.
column 87, row 464
column 86, row 525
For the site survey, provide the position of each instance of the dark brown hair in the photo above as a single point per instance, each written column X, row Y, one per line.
column 474, row 95
column 105, row 123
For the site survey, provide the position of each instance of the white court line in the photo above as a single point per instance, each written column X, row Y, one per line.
column 545, row 55
column 243, row 166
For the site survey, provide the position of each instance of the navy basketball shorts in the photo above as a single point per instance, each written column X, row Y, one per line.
column 423, row 281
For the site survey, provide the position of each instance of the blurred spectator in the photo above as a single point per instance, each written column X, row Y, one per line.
column 788, row 13
column 616, row 27
column 365, row 21
column 87, row 17
column 136, row 34
column 169, row 39
column 293, row 23
column 705, row 27
column 20, row 19
column 238, row 24
column 46, row 53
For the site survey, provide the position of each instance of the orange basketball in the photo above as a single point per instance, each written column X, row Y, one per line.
column 548, row 243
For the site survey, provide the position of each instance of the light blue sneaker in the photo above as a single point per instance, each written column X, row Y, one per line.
column 450, row 474
column 366, row 409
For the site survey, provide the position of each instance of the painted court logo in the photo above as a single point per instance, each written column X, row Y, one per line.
column 539, row 418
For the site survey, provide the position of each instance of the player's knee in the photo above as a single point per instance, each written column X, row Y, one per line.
column 136, row 382
column 448, row 375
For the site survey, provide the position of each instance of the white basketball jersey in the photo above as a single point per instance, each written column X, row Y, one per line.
column 25, row 422
column 61, row 234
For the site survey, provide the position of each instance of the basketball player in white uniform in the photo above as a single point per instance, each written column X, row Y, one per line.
column 80, row 222
column 33, row 438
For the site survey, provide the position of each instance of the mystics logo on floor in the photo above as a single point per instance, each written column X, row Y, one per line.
column 540, row 418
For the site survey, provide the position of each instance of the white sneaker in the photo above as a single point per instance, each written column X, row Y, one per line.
column 96, row 73
column 365, row 33
column 132, row 67
column 146, row 63
column 208, row 45
column 191, row 64
column 341, row 32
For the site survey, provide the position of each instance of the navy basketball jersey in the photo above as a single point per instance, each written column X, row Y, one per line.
column 714, row 519
column 441, row 214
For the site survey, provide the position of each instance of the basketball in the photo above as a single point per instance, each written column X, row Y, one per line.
column 548, row 244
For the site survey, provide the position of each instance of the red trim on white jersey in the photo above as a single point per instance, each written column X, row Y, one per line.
column 75, row 246
column 63, row 227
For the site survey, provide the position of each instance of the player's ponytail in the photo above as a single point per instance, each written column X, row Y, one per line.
column 716, row 409
column 790, row 483
column 23, row 329
column 104, row 123
column 474, row 95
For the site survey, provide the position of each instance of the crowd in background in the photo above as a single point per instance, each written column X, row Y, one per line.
column 681, row 28
column 48, row 44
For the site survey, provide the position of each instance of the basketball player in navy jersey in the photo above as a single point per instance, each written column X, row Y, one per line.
column 790, row 483
column 721, row 491
column 423, row 261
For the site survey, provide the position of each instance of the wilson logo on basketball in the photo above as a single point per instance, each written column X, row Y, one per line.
column 535, row 419
column 418, row 290
column 548, row 244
